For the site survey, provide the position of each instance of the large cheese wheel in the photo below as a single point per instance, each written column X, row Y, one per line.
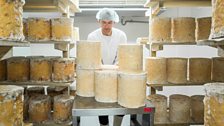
column 177, row 70
column 183, row 29
column 130, row 57
column 214, row 104
column 40, row 69
column 18, row 69
column 197, row 108
column 39, row 109
column 39, row 29
column 88, row 55
column 131, row 89
column 62, row 29
column 160, row 103
column 160, row 30
column 179, row 108
column 25, row 28
column 3, row 69
column 218, row 69
column 35, row 91
column 11, row 26
column 106, row 86
column 63, row 70
column 156, row 70
column 217, row 30
column 203, row 28
column 11, row 105
column 200, row 70
column 62, row 108
column 85, row 82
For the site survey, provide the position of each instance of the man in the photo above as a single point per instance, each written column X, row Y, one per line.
column 110, row 38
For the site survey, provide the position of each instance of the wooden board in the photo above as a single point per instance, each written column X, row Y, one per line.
column 35, row 83
column 171, row 84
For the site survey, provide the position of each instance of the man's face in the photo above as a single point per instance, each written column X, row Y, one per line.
column 106, row 26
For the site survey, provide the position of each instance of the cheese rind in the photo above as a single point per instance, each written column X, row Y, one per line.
column 203, row 28
column 3, row 70
column 218, row 69
column 197, row 108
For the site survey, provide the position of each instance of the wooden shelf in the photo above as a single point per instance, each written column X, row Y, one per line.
column 171, row 84
column 174, row 43
column 51, row 123
column 51, row 6
column 219, row 42
column 52, row 42
column 28, row 83
column 14, row 43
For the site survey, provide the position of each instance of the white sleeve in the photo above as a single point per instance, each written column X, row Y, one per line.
column 123, row 39
column 90, row 37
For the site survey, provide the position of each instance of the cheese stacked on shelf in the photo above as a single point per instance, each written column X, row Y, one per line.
column 11, row 26
column 217, row 30
column 203, row 28
column 11, row 105
column 183, row 29
column 39, row 29
column 131, row 78
column 218, row 69
column 160, row 30
column 160, row 102
column 88, row 61
column 197, row 108
column 22, row 67
column 35, row 91
column 3, row 70
column 62, row 29
column 214, row 104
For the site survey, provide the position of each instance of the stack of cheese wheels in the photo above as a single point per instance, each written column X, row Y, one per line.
column 39, row 29
column 63, row 108
column 203, row 28
column 200, row 70
column 217, row 30
column 63, row 70
column 179, row 109
column 11, row 105
column 183, row 29
column 214, row 104
column 106, row 86
column 160, row 30
column 40, row 69
column 218, row 69
column 62, row 29
column 177, row 70
column 11, row 26
column 131, row 89
column 160, row 103
column 35, row 91
column 197, row 108
column 21, row 65
column 39, row 109
column 156, row 70
column 3, row 69
column 88, row 60
column 130, row 57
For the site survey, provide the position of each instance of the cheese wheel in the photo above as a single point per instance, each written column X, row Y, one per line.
column 34, row 91
column 22, row 67
column 177, row 70
column 85, row 82
column 39, row 109
column 62, row 108
column 197, row 108
column 214, row 104
column 130, row 57
column 183, row 29
column 40, row 69
column 203, row 28
column 200, row 70
column 11, row 26
column 11, row 105
column 25, row 107
column 217, row 30
column 39, row 29
column 156, row 70
column 160, row 103
column 63, row 70
column 160, row 30
column 25, row 28
column 3, row 69
column 106, row 86
column 218, row 69
column 62, row 29
column 131, row 89
column 88, row 55
column 179, row 108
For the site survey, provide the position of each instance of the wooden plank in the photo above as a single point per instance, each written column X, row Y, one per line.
column 14, row 43
column 28, row 83
column 174, row 43
column 211, row 42
column 171, row 84
column 5, row 52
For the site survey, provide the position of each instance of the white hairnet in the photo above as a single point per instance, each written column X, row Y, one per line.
column 107, row 14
